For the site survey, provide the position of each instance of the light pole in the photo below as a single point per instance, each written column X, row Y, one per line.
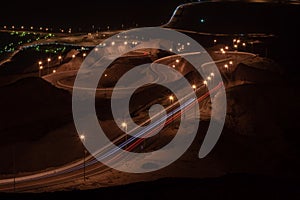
column 194, row 88
column 40, row 71
column 226, row 67
column 171, row 98
column 212, row 78
column 48, row 60
column 82, row 138
column 60, row 59
column 39, row 65
column 124, row 126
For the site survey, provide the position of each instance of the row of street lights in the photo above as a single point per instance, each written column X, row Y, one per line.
column 48, row 61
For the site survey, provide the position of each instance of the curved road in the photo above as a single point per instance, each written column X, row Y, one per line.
column 73, row 172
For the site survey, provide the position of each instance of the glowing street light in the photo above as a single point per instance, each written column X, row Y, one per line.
column 82, row 138
column 209, row 78
column 54, row 71
column 171, row 98
column 194, row 87
column 177, row 61
column 48, row 60
column 212, row 77
column 73, row 56
column 230, row 63
column 226, row 67
column 40, row 70
column 173, row 66
column 205, row 82
column 124, row 126
column 60, row 59
column 40, row 62
column 84, row 55
column 244, row 44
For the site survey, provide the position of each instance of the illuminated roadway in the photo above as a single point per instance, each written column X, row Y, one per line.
column 74, row 171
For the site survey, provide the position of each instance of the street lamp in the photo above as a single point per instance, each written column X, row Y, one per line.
column 205, row 82
column 82, row 138
column 171, row 98
column 212, row 77
column 226, row 66
column 60, row 59
column 40, row 71
column 194, row 87
column 124, row 126
column 49, row 60
column 39, row 65
column 73, row 56
column 54, row 71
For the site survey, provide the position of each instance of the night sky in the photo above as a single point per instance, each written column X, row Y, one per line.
column 87, row 13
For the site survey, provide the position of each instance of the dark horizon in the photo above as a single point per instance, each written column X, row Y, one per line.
column 100, row 14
